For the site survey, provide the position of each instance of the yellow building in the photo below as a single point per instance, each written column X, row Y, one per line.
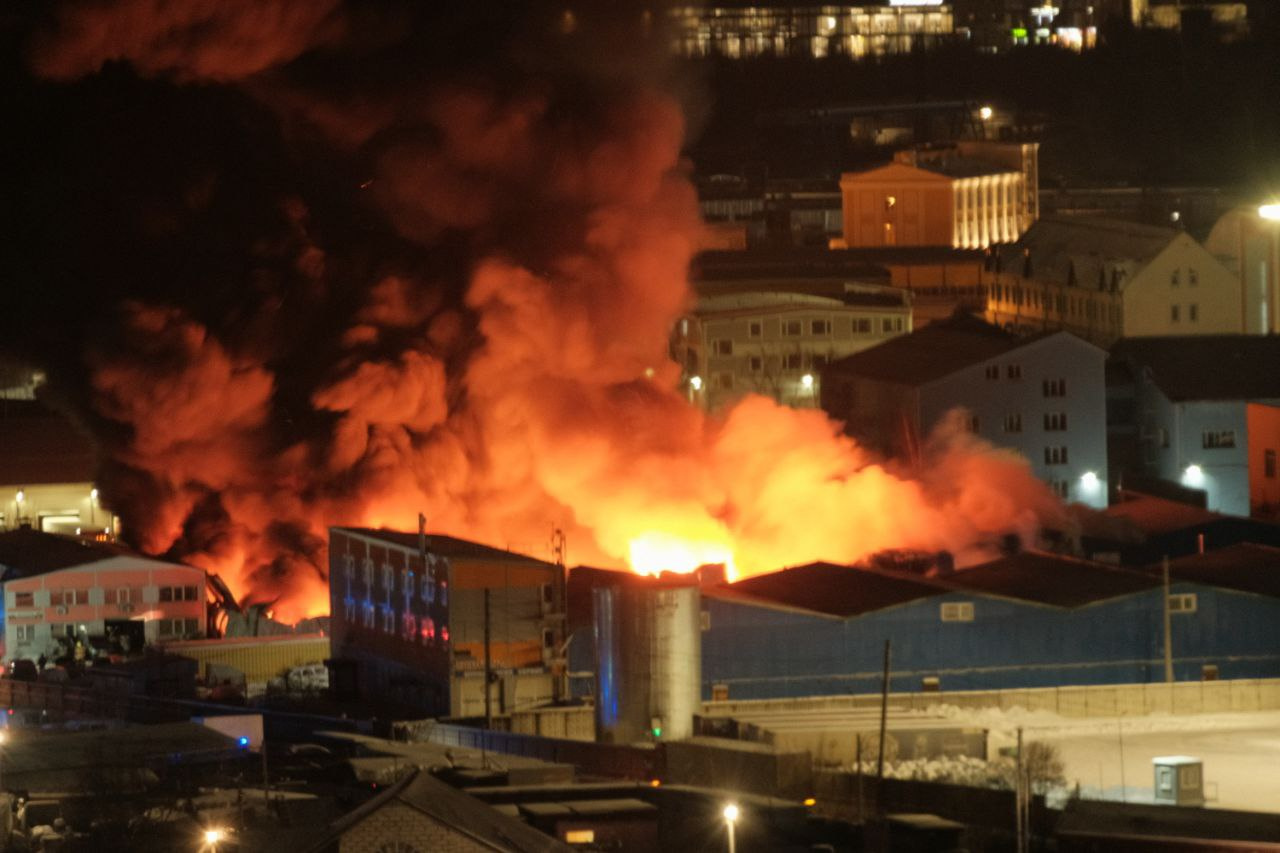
column 967, row 195
column 1106, row 279
column 1248, row 243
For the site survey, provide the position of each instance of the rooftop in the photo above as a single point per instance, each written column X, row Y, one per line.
column 1050, row 579
column 26, row 552
column 1244, row 567
column 485, row 825
column 795, row 264
column 1154, row 515
column 939, row 349
column 841, row 591
column 1084, row 250
column 447, row 546
column 1208, row 367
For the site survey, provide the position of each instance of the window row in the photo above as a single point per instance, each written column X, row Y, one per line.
column 179, row 593
column 408, row 626
column 1053, row 422
column 790, row 361
column 179, row 627
column 1217, row 439
column 817, row 328
column 433, row 586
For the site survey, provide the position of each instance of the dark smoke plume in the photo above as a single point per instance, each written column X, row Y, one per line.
column 298, row 263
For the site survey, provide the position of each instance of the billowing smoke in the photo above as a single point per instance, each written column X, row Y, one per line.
column 304, row 265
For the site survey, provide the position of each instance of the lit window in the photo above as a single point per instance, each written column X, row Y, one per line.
column 956, row 611
column 889, row 202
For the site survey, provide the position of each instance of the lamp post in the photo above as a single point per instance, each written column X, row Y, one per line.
column 212, row 837
column 730, row 819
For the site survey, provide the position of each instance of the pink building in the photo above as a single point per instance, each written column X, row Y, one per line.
column 58, row 590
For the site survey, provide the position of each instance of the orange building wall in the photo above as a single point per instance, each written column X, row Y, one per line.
column 1263, row 423
column 921, row 215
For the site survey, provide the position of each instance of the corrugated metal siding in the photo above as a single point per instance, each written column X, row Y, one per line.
column 260, row 661
column 761, row 652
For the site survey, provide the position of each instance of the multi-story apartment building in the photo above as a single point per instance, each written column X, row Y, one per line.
column 1105, row 279
column 1043, row 396
column 1205, row 413
column 786, row 29
column 58, row 591
column 412, row 615
column 970, row 195
column 775, row 340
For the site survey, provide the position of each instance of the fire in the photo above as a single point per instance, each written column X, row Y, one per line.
column 656, row 552
column 490, row 347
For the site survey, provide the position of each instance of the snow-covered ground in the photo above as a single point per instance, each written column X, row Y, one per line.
column 1241, row 751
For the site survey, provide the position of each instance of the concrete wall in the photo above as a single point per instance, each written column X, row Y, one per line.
column 1097, row 700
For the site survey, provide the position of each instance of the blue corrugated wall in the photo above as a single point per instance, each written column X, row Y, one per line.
column 763, row 652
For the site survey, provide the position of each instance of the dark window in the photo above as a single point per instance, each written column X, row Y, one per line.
column 1269, row 463
column 166, row 593
column 755, row 328
column 24, row 599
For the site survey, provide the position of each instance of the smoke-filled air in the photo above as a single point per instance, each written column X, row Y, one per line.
column 291, row 278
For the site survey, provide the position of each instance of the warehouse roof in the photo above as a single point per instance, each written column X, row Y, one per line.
column 1155, row 515
column 831, row 589
column 484, row 825
column 938, row 350
column 1244, row 567
column 447, row 546
column 25, row 552
column 1050, row 579
column 1208, row 367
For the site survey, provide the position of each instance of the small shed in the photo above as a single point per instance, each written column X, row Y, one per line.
column 1179, row 780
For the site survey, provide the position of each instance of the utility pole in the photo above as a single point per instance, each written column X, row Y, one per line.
column 884, row 720
column 488, row 666
column 1017, row 797
column 1168, row 626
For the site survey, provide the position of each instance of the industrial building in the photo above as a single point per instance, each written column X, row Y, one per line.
column 1042, row 396
column 1025, row 620
column 416, row 617
column 47, row 472
column 58, row 591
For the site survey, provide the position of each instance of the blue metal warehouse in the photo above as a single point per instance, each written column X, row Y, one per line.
column 1027, row 620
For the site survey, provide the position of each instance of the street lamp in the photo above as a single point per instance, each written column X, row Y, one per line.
column 985, row 113
column 730, row 818
column 806, row 382
column 212, row 837
column 1270, row 211
column 695, row 382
